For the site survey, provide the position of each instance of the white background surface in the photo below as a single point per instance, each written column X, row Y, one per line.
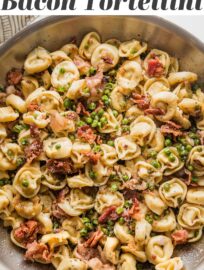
column 193, row 24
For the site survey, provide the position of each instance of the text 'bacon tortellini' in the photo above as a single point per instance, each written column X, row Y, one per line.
column 195, row 195
column 111, row 250
column 159, row 249
column 196, row 159
column 173, row 192
column 76, row 203
column 154, row 202
column 79, row 181
column 9, row 154
column 156, row 85
column 142, row 231
column 105, row 55
column 89, row 43
column 191, row 216
column 142, row 130
column 7, row 114
column 64, row 73
column 129, row 75
column 106, row 197
column 46, row 100
column 171, row 264
column 162, row 58
column 126, row 148
column 98, row 172
column 58, row 148
column 40, row 119
column 27, row 181
column 170, row 160
column 165, row 223
column 38, row 60
column 73, row 225
column 127, row 262
column 80, row 153
column 108, row 155
column 147, row 172
column 51, row 181
column 182, row 76
column 131, row 49
column 167, row 102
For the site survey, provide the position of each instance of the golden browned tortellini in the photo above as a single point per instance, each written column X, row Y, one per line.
column 182, row 76
column 119, row 100
column 127, row 262
column 170, row 160
column 112, row 124
column 196, row 159
column 195, row 195
column 7, row 193
column 191, row 216
column 28, row 85
column 159, row 249
column 135, row 249
column 106, row 197
column 154, row 202
column 165, row 223
column 58, row 148
column 190, row 106
column 7, row 114
column 73, row 225
column 167, row 102
column 105, row 55
column 54, row 240
column 58, row 57
column 122, row 233
column 111, row 251
column 46, row 100
column 38, row 60
column 72, row 264
column 80, row 153
column 132, row 48
column 171, row 264
column 173, row 192
column 147, row 172
column 78, row 89
column 156, row 85
column 40, row 119
column 89, row 43
column 142, row 231
column 108, row 155
column 126, row 148
column 79, row 181
column 133, row 112
column 51, row 181
column 27, row 181
column 3, row 132
column 98, row 172
column 129, row 75
column 76, row 203
column 16, row 102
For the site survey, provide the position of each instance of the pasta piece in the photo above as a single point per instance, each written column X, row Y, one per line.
column 72, row 264
column 171, row 264
column 37, row 118
column 58, row 57
column 3, row 132
column 159, row 249
column 109, row 155
column 126, row 148
column 173, row 192
column 7, row 114
column 58, row 148
column 89, row 43
column 55, row 239
column 78, row 89
column 121, row 232
column 79, row 181
column 80, row 153
column 98, row 172
column 73, row 226
column 179, row 77
column 105, row 55
column 129, row 75
column 119, row 100
column 147, row 172
column 195, row 195
column 112, row 124
column 195, row 159
column 64, row 73
column 132, row 48
column 51, row 181
column 127, row 262
column 28, row 85
column 165, row 223
column 156, row 85
column 16, row 102
column 155, row 203
column 38, row 60
column 142, row 231
column 111, row 251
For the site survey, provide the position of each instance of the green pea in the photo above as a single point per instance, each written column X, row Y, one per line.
column 166, row 187
column 155, row 164
column 68, row 103
column 114, row 187
column 92, row 71
column 85, row 220
column 88, row 120
column 168, row 142
column 93, row 114
column 18, row 128
column 111, row 143
column 127, row 204
column 25, row 183
column 199, row 149
column 83, row 232
column 20, row 161
column 188, row 147
column 105, row 98
column 103, row 120
column 126, row 128
column 95, row 222
column 196, row 141
column 125, row 177
column 121, row 220
column 61, row 89
column 119, row 210
column 183, row 153
column 100, row 112
column 183, row 141
column 62, row 70
column 193, row 135
column 24, row 141
column 172, row 158
column 94, row 124
column 115, row 113
column 57, row 146
column 107, row 92
column 149, row 218
column 153, row 154
column 167, row 151
column 89, row 226
column 92, row 106
column 97, row 148
column 190, row 168
column 81, row 123
column 125, row 121
column 92, row 174
column 105, row 231
column 194, row 179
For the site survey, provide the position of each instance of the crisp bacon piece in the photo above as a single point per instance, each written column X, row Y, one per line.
column 58, row 122
column 33, row 150
column 134, row 211
column 108, row 214
column 134, row 184
column 38, row 252
column 14, row 76
column 82, row 110
column 171, row 128
column 201, row 134
column 155, row 67
column 107, row 60
column 142, row 101
column 86, row 134
column 86, row 253
column 93, row 157
column 57, row 212
column 62, row 194
column 33, row 107
column 27, row 232
column 179, row 237
column 65, row 166
column 95, row 263
column 155, row 111
column 129, row 194
column 34, row 131
column 99, row 140
column 93, row 239
column 82, row 65
column 96, row 80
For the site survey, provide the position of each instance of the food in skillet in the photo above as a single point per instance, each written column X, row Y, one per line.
column 102, row 156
